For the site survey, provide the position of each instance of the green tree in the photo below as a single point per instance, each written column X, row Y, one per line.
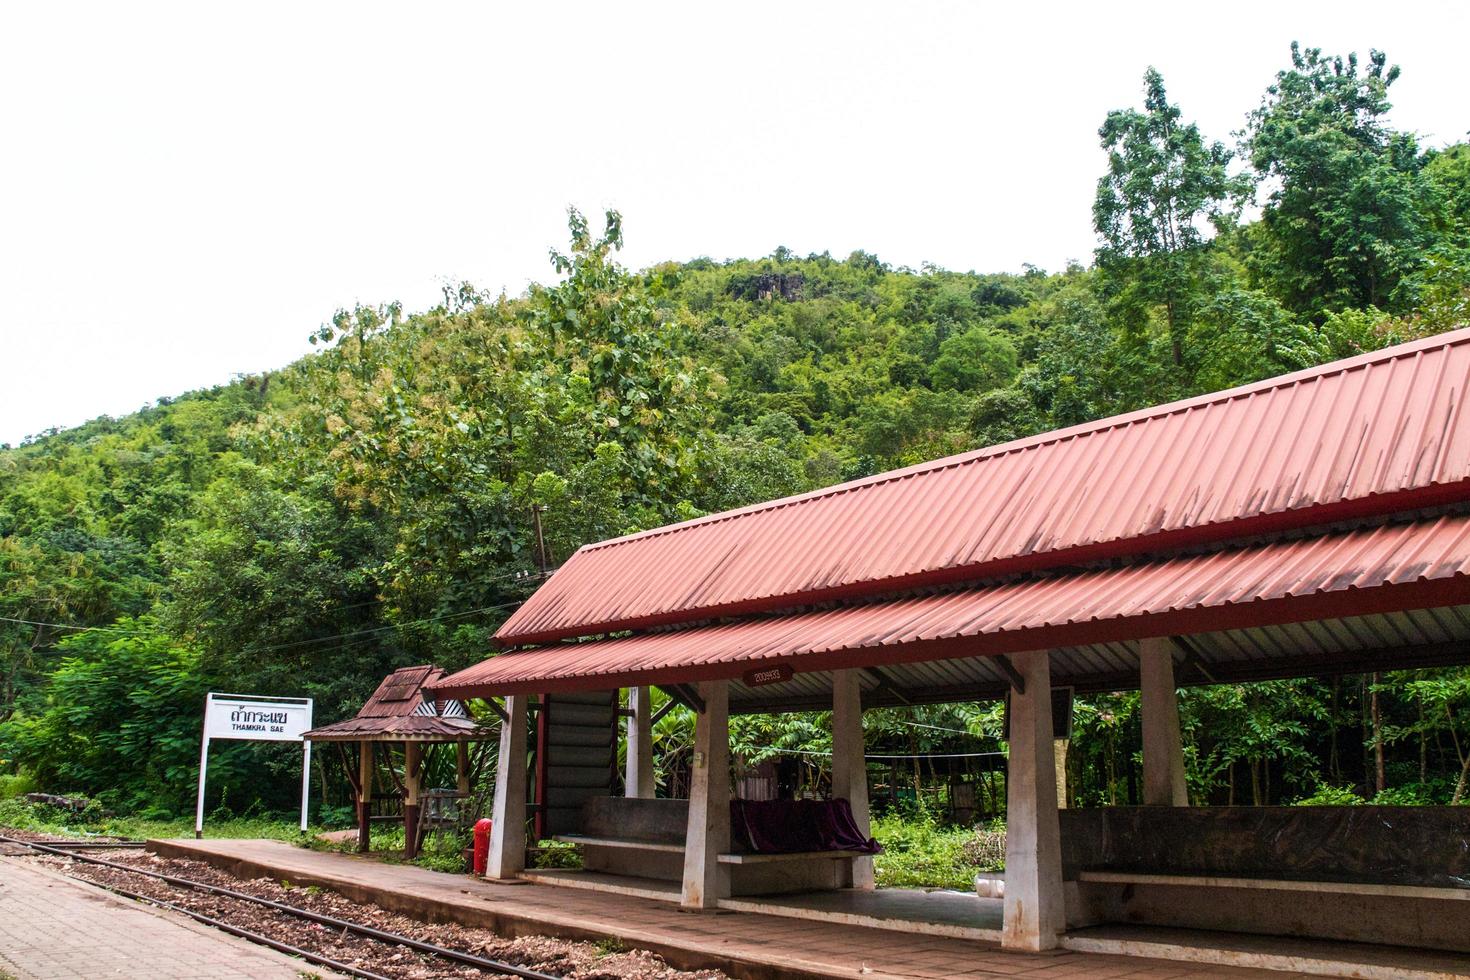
column 266, row 581
column 121, row 719
column 1348, row 214
column 1163, row 181
column 977, row 360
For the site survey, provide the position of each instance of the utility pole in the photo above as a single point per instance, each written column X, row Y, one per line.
column 542, row 559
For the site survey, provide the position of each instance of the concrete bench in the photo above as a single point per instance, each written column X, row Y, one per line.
column 1426, row 916
column 732, row 857
column 1370, row 874
column 642, row 838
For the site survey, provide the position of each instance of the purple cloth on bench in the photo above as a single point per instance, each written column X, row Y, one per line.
column 794, row 826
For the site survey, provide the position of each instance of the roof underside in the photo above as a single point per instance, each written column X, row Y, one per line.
column 943, row 646
column 1374, row 435
column 1418, row 638
column 1434, row 637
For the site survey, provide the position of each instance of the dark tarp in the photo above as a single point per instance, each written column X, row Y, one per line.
column 797, row 826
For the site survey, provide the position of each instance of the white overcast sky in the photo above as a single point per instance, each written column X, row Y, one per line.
column 187, row 192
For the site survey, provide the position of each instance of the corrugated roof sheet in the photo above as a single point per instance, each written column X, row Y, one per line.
column 1375, row 434
column 412, row 727
column 1378, row 569
column 393, row 709
column 401, row 692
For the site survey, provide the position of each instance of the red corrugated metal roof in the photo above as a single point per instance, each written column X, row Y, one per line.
column 1378, row 569
column 1374, row 434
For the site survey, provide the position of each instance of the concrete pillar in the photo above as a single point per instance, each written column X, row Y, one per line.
column 849, row 762
column 706, row 881
column 1163, row 749
column 1035, row 912
column 508, row 835
column 638, row 778
column 364, row 795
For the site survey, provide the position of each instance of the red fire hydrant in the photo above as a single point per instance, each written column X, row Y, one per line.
column 482, row 844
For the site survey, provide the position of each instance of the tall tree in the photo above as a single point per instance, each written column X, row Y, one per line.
column 1163, row 180
column 1346, row 221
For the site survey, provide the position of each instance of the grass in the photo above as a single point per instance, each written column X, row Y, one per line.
column 441, row 852
column 610, row 946
column 43, row 819
column 919, row 852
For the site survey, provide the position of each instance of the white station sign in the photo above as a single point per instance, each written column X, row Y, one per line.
column 254, row 719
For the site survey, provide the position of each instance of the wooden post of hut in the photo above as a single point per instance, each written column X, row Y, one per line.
column 462, row 769
column 364, row 795
column 413, row 790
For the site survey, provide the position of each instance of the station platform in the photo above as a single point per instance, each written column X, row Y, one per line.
column 838, row 935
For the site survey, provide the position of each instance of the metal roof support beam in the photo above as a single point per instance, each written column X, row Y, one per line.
column 885, row 686
column 498, row 708
column 1018, row 683
column 1192, row 658
column 658, row 715
column 686, row 696
column 676, row 696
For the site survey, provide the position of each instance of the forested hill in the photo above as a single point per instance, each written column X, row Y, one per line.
column 370, row 506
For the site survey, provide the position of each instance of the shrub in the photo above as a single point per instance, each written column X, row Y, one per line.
column 919, row 852
column 17, row 785
column 986, row 848
column 1331, row 796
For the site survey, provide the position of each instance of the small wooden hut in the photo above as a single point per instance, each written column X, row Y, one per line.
column 399, row 712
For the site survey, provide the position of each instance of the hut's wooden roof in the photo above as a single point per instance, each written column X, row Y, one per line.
column 400, row 711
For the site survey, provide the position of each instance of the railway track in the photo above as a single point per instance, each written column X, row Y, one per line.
column 70, row 849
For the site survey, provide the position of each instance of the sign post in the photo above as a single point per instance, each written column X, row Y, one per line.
column 254, row 719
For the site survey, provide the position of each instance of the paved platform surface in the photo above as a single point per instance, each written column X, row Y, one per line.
column 743, row 944
column 54, row 928
column 1294, row 955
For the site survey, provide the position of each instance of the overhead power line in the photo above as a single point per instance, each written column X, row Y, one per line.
column 279, row 646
